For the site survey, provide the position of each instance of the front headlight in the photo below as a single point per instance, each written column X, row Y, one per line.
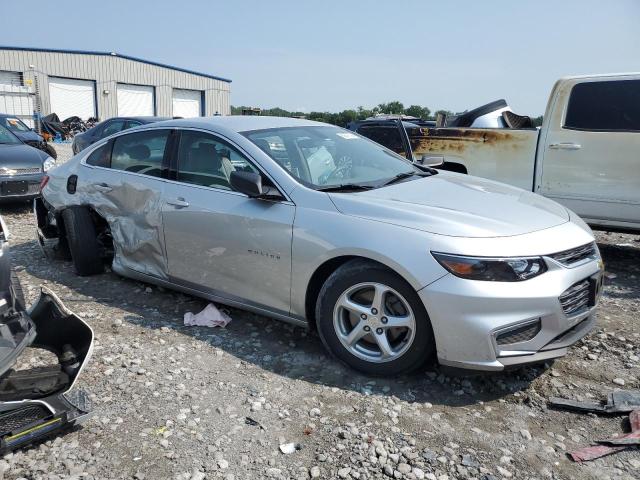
column 48, row 163
column 507, row 269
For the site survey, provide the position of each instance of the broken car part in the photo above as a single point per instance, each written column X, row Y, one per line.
column 618, row 401
column 612, row 445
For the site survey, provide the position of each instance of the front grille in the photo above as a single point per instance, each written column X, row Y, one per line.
column 569, row 258
column 519, row 334
column 19, row 171
column 17, row 420
column 575, row 299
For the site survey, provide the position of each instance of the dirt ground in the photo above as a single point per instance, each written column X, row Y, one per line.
column 191, row 402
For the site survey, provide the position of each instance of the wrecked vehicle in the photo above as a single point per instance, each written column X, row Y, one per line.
column 38, row 401
column 26, row 134
column 394, row 263
column 584, row 156
column 21, row 168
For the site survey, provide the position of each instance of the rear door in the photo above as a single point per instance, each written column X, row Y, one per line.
column 218, row 240
column 591, row 162
column 125, row 186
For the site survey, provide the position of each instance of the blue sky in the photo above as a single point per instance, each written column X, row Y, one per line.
column 331, row 55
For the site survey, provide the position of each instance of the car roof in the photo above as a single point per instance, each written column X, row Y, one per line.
column 242, row 123
column 143, row 119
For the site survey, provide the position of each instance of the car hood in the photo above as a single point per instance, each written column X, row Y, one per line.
column 455, row 205
column 20, row 156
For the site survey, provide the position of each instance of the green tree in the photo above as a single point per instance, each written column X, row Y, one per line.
column 394, row 107
column 417, row 111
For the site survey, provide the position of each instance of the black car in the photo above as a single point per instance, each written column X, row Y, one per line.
column 26, row 134
column 21, row 168
column 109, row 127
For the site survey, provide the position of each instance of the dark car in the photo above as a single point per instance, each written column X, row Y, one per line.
column 26, row 134
column 109, row 127
column 21, row 168
column 36, row 402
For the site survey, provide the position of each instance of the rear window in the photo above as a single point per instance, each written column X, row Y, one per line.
column 605, row 106
column 100, row 156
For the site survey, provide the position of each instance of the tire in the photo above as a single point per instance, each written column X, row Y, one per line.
column 18, row 292
column 357, row 280
column 83, row 242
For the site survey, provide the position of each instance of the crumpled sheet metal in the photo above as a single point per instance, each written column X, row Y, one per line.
column 619, row 401
column 612, row 445
column 134, row 214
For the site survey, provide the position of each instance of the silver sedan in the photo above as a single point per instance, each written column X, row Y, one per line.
column 393, row 263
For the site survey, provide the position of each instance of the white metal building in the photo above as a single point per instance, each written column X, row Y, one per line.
column 104, row 85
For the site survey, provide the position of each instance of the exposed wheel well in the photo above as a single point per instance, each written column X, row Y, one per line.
column 322, row 273
column 102, row 230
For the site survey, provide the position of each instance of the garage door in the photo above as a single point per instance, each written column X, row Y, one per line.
column 187, row 103
column 69, row 97
column 135, row 100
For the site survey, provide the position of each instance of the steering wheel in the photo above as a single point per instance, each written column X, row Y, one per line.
column 339, row 173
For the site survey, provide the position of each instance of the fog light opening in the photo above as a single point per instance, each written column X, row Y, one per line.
column 522, row 333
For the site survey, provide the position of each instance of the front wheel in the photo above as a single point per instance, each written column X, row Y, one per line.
column 373, row 320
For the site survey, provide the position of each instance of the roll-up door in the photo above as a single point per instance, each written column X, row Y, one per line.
column 187, row 103
column 71, row 97
column 135, row 100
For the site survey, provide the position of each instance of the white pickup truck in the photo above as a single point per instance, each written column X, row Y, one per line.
column 586, row 154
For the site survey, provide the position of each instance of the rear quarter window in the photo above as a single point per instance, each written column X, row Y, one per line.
column 100, row 157
column 604, row 106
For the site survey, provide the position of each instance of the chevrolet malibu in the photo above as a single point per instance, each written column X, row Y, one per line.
column 393, row 263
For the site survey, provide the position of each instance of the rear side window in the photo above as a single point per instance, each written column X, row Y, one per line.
column 100, row 156
column 605, row 106
column 113, row 127
column 387, row 136
column 140, row 152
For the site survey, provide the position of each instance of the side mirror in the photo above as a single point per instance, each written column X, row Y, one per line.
column 431, row 160
column 249, row 183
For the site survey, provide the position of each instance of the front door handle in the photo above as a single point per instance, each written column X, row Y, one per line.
column 565, row 146
column 178, row 202
column 103, row 187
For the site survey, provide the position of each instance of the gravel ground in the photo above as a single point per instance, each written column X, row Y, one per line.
column 194, row 403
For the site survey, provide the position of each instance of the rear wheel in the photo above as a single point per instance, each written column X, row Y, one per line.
column 373, row 320
column 83, row 241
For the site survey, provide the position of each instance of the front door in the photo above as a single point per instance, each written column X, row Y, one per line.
column 591, row 161
column 220, row 241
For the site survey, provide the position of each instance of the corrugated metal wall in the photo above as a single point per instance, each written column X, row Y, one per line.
column 107, row 71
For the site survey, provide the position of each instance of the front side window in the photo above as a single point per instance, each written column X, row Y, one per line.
column 8, row 138
column 205, row 160
column 140, row 152
column 605, row 106
column 114, row 127
column 330, row 156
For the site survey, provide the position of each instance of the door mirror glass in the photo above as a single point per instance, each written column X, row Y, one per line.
column 249, row 183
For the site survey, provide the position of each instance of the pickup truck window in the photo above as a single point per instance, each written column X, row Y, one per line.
column 608, row 106
column 387, row 135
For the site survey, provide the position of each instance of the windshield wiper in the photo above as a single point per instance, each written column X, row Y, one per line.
column 403, row 175
column 344, row 187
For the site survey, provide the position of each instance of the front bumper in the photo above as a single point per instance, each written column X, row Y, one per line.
column 41, row 401
column 471, row 319
column 20, row 187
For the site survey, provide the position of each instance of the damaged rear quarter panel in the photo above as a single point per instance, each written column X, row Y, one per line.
column 132, row 209
column 504, row 155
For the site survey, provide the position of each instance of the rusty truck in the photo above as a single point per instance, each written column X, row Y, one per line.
column 585, row 155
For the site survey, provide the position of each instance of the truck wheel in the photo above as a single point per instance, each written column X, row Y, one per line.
column 18, row 292
column 83, row 241
column 373, row 321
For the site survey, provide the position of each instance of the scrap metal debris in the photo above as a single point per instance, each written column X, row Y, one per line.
column 620, row 401
column 209, row 317
column 611, row 445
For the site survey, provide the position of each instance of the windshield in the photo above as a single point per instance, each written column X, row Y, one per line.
column 322, row 157
column 15, row 125
column 6, row 137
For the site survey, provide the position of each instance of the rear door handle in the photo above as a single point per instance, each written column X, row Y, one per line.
column 103, row 187
column 178, row 202
column 565, row 146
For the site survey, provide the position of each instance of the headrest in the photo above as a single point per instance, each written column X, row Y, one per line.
column 139, row 152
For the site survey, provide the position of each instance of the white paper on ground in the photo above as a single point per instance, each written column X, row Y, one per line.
column 209, row 317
